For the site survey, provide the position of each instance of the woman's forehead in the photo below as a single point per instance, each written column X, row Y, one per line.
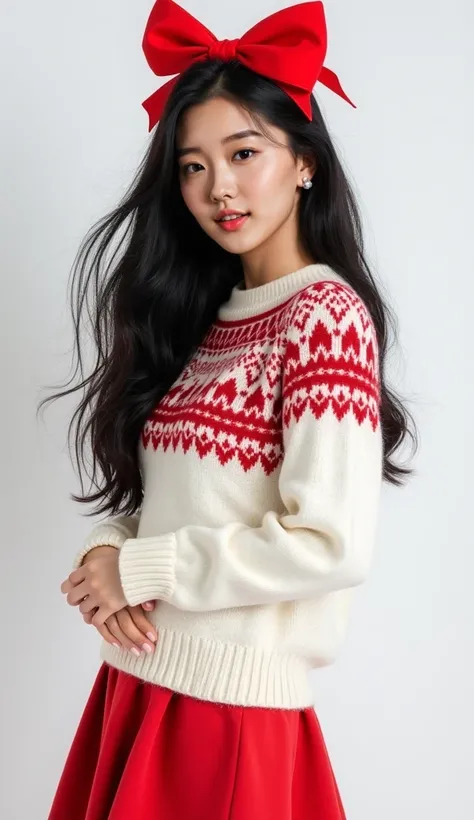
column 217, row 121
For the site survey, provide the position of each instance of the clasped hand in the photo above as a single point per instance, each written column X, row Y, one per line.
column 96, row 585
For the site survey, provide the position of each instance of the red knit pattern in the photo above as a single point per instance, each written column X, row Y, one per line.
column 253, row 377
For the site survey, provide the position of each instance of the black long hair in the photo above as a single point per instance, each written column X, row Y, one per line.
column 150, row 297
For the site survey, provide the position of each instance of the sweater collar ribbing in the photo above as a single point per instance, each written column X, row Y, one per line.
column 243, row 303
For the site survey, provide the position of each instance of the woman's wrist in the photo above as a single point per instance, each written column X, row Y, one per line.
column 103, row 549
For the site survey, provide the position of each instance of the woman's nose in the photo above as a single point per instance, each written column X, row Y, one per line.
column 222, row 185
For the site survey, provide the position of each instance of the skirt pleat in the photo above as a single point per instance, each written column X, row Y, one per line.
column 143, row 752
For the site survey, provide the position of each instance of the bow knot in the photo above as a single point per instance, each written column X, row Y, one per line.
column 223, row 50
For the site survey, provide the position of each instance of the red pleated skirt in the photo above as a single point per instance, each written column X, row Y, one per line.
column 143, row 752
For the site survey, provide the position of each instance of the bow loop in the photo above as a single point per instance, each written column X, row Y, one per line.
column 288, row 47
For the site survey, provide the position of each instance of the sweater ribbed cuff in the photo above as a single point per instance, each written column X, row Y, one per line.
column 103, row 538
column 147, row 568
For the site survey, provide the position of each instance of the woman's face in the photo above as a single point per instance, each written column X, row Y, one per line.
column 248, row 173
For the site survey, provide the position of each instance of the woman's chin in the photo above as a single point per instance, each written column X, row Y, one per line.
column 236, row 242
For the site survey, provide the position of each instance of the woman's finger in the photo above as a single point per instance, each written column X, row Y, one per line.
column 129, row 628
column 115, row 637
column 140, row 637
column 142, row 623
column 127, row 638
column 107, row 635
column 87, row 616
column 102, row 630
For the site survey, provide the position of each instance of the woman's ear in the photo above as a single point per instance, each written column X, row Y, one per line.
column 307, row 167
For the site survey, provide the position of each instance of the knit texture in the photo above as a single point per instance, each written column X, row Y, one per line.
column 262, row 471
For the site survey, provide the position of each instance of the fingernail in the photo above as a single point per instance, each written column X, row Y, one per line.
column 151, row 636
column 147, row 647
column 117, row 645
column 135, row 651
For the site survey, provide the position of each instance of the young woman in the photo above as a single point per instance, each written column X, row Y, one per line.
column 240, row 427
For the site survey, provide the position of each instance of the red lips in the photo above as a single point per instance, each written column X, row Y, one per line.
column 229, row 212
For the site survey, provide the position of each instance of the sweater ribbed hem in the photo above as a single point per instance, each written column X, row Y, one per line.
column 147, row 568
column 219, row 672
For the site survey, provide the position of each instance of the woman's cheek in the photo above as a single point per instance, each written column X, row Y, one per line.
column 185, row 193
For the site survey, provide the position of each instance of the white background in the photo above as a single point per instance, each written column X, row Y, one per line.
column 396, row 708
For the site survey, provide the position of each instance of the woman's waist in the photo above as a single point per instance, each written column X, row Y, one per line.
column 253, row 656
column 310, row 629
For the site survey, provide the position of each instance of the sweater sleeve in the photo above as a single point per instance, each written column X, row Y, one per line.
column 113, row 531
column 322, row 537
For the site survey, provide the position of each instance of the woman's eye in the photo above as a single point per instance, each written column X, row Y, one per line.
column 245, row 151
column 191, row 167
column 187, row 168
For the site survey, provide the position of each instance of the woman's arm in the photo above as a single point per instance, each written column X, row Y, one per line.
column 329, row 482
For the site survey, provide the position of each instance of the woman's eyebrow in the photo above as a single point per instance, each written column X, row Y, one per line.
column 248, row 132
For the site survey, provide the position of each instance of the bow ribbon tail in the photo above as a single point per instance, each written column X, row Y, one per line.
column 154, row 105
column 331, row 81
column 301, row 96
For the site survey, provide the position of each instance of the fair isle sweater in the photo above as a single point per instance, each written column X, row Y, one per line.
column 262, row 468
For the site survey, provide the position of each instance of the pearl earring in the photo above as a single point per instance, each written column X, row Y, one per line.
column 307, row 183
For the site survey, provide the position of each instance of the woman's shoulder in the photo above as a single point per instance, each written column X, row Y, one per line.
column 331, row 300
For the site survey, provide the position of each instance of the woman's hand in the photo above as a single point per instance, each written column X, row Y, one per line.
column 129, row 628
column 96, row 586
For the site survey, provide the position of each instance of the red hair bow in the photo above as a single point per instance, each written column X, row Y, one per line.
column 288, row 47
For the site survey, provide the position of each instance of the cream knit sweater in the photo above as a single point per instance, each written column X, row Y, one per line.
column 262, row 471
